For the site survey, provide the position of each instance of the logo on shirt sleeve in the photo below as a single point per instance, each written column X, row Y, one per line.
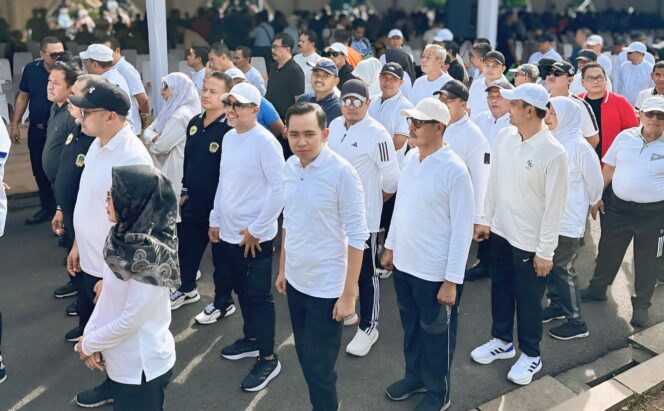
column 384, row 154
column 80, row 160
column 214, row 147
column 70, row 137
column 487, row 158
column 193, row 130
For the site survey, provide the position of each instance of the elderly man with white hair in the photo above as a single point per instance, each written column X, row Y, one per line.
column 434, row 77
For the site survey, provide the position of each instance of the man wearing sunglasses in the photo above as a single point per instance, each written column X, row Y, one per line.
column 324, row 78
column 338, row 53
column 32, row 92
column 634, row 165
column 365, row 143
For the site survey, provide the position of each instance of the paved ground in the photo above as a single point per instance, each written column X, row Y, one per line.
column 45, row 374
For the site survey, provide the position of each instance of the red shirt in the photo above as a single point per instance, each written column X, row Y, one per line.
column 617, row 115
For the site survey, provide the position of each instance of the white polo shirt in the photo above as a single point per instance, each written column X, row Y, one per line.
column 527, row 192
column 113, row 75
column 324, row 213
column 634, row 78
column 90, row 219
column 198, row 77
column 432, row 223
column 306, row 69
column 589, row 126
column 423, row 88
column 492, row 127
column 388, row 113
column 639, row 174
column 468, row 142
column 250, row 192
column 605, row 61
column 255, row 77
column 477, row 97
column 538, row 55
column 643, row 95
column 369, row 148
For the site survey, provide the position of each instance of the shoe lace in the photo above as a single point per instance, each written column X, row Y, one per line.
column 210, row 309
column 175, row 295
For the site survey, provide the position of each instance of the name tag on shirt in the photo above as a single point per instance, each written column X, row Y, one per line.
column 655, row 156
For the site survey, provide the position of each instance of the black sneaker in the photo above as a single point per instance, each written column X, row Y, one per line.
column 3, row 372
column 241, row 348
column 71, row 310
column 588, row 294
column 261, row 374
column 74, row 334
column 96, row 397
column 67, row 290
column 429, row 404
column 550, row 313
column 39, row 217
column 639, row 317
column 569, row 331
column 476, row 272
column 403, row 389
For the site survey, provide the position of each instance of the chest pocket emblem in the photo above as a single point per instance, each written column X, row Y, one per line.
column 656, row 156
column 193, row 130
column 529, row 165
column 70, row 137
column 80, row 160
column 214, row 147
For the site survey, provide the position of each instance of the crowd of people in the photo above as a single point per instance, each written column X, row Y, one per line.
column 378, row 167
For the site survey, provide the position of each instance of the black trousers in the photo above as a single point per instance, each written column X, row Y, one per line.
column 317, row 342
column 484, row 252
column 624, row 221
column 251, row 278
column 36, row 142
column 0, row 331
column 86, row 296
column 369, row 286
column 149, row 396
column 515, row 288
column 192, row 241
column 430, row 332
column 562, row 287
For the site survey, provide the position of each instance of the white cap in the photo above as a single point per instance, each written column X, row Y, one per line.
column 636, row 47
column 98, row 52
column 654, row 103
column 594, row 40
column 395, row 33
column 244, row 93
column 533, row 94
column 235, row 73
column 444, row 35
column 429, row 109
column 338, row 47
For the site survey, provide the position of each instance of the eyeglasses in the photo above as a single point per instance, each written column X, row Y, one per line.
column 55, row 55
column 275, row 46
column 235, row 105
column 652, row 114
column 352, row 102
column 85, row 112
column 418, row 123
column 595, row 79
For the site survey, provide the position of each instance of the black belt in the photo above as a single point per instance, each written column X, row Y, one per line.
column 620, row 203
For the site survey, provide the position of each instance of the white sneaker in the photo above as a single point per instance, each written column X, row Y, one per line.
column 362, row 342
column 198, row 275
column 351, row 320
column 383, row 273
column 495, row 349
column 211, row 314
column 178, row 298
column 524, row 369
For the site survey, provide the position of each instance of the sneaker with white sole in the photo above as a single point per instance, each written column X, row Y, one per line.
column 242, row 348
column 362, row 342
column 524, row 369
column 211, row 314
column 351, row 320
column 383, row 273
column 261, row 373
column 198, row 275
column 178, row 298
column 3, row 373
column 495, row 349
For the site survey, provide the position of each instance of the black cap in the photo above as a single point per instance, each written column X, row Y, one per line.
column 501, row 83
column 587, row 54
column 496, row 55
column 546, row 37
column 563, row 67
column 105, row 95
column 544, row 66
column 355, row 88
column 394, row 69
column 454, row 87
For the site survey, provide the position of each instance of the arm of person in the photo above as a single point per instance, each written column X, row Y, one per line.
column 143, row 102
column 272, row 165
column 628, row 116
column 462, row 214
column 385, row 157
column 174, row 133
column 21, row 104
column 277, row 127
column 479, row 166
column 399, row 140
column 555, row 201
column 281, row 275
column 141, row 298
column 593, row 178
column 215, row 217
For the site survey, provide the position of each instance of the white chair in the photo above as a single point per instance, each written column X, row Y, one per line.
column 21, row 59
column 518, row 45
column 140, row 59
column 5, row 72
column 130, row 55
column 34, row 48
column 417, row 57
column 259, row 63
column 3, row 49
column 567, row 51
column 4, row 108
column 145, row 72
column 184, row 68
column 176, row 54
column 173, row 64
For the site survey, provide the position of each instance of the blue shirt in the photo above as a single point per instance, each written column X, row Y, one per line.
column 267, row 114
column 330, row 105
column 34, row 82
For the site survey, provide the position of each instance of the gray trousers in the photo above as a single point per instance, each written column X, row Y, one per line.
column 562, row 287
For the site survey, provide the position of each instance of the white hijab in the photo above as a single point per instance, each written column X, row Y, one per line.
column 182, row 104
column 569, row 119
column 368, row 71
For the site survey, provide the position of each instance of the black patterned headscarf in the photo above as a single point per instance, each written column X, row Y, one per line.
column 143, row 245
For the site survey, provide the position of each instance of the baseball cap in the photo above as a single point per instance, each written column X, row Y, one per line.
column 528, row 69
column 355, row 88
column 455, row 88
column 587, row 54
column 636, row 47
column 563, row 67
column 98, row 52
column 546, row 37
column 594, row 40
column 654, row 103
column 338, row 47
column 395, row 33
column 495, row 55
column 444, row 35
column 105, row 95
column 245, row 93
column 235, row 73
column 501, row 83
column 533, row 94
column 429, row 108
column 326, row 65
column 394, row 69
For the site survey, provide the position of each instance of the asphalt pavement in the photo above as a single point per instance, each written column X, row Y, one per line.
column 45, row 374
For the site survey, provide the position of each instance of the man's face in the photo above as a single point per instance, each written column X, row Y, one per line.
column 50, row 53
column 493, row 69
column 215, row 62
column 580, row 38
column 544, row 46
column 498, row 105
column 94, row 121
column 635, row 57
column 351, row 113
column 558, row 82
column 305, row 45
column 520, row 78
column 429, row 62
column 305, row 137
column 396, row 42
column 338, row 58
column 358, row 32
column 323, row 82
column 57, row 89
column 76, row 90
column 518, row 112
column 92, row 66
column 211, row 93
column 476, row 60
column 191, row 58
column 389, row 85
column 594, row 81
column 581, row 63
column 422, row 133
column 240, row 60
column 240, row 115
column 597, row 48
column 454, row 104
column 280, row 53
column 658, row 78
column 551, row 119
column 651, row 122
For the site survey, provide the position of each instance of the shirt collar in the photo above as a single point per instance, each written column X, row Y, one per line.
column 325, row 99
column 318, row 161
column 439, row 154
column 461, row 121
column 358, row 124
column 117, row 139
column 393, row 98
column 538, row 138
column 645, row 143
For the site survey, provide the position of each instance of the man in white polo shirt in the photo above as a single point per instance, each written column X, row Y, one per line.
column 658, row 90
column 428, row 248
column 492, row 70
column 434, row 77
column 524, row 205
column 104, row 109
column 323, row 239
column 365, row 143
column 546, row 49
column 595, row 43
column 307, row 57
column 635, row 73
column 634, row 165
column 243, row 224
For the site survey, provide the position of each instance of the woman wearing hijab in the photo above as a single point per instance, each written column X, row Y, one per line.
column 167, row 135
column 127, row 335
column 368, row 71
column 406, row 61
column 584, row 188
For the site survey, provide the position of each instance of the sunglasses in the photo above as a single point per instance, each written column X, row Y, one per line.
column 56, row 55
column 652, row 114
column 85, row 112
column 235, row 106
column 557, row 73
column 332, row 54
column 419, row 123
column 352, row 102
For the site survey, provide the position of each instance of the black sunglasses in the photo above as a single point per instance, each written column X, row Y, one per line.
column 653, row 114
column 419, row 123
column 332, row 54
column 236, row 105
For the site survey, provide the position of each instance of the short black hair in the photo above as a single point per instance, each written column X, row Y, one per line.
column 89, row 80
column 357, row 23
column 300, row 109
column 482, row 40
column 540, row 113
column 114, row 42
column 201, row 52
column 69, row 69
column 246, row 51
column 481, row 49
column 311, row 35
column 228, row 81
column 220, row 49
column 48, row 40
column 591, row 66
column 452, row 47
column 658, row 65
column 286, row 40
column 342, row 36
